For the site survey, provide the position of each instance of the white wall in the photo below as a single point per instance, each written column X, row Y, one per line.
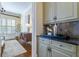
column 37, row 22
column 0, row 6
column 24, row 18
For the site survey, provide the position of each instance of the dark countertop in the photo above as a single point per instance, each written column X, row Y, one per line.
column 73, row 41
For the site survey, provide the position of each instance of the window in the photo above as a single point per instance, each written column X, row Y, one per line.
column 7, row 26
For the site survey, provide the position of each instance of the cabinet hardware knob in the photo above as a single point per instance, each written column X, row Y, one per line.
column 49, row 49
column 61, row 45
column 55, row 18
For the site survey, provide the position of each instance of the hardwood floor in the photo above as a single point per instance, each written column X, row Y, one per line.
column 29, row 51
column 22, row 40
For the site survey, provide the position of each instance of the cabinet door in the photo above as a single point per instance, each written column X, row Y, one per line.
column 49, row 11
column 65, row 10
column 42, row 50
column 56, row 53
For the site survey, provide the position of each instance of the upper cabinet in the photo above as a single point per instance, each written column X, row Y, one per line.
column 49, row 11
column 60, row 11
column 66, row 10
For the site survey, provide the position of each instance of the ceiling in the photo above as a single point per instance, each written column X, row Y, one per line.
column 16, row 7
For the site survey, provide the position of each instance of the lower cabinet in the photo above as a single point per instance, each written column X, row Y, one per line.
column 61, row 49
column 59, row 52
column 56, row 49
column 42, row 47
column 43, row 51
column 56, row 53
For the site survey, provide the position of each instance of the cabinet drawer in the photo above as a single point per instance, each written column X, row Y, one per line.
column 44, row 40
column 63, row 52
column 65, row 46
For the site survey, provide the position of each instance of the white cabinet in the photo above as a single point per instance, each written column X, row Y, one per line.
column 44, row 41
column 49, row 11
column 64, row 46
column 60, row 49
column 78, row 51
column 42, row 50
column 43, row 45
column 66, row 10
column 56, row 53
column 60, row 10
column 52, row 48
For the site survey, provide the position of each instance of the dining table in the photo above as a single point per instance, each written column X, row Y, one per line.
column 12, row 48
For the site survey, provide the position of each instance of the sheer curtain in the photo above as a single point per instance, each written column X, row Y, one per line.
column 8, row 26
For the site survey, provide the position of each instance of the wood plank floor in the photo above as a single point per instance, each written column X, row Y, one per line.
column 29, row 51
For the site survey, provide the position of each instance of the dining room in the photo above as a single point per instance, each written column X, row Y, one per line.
column 15, row 29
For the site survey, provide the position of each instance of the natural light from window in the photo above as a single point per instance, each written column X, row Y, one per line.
column 7, row 26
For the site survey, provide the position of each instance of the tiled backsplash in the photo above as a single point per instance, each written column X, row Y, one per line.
column 67, row 28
